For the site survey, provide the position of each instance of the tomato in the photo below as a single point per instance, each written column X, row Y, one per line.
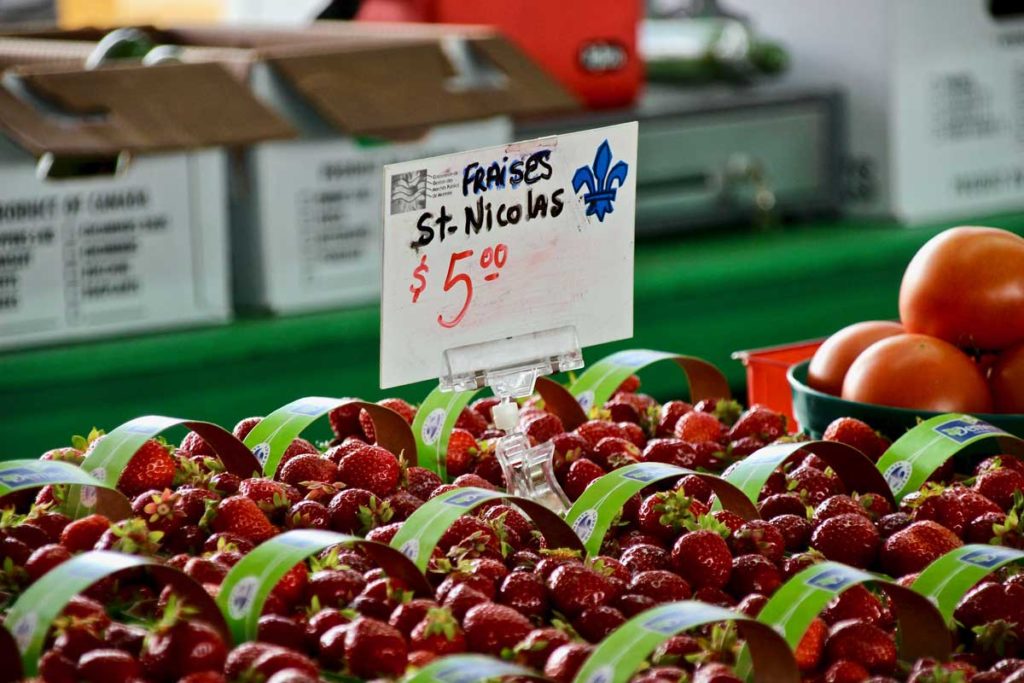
column 917, row 371
column 1006, row 380
column 833, row 358
column 966, row 285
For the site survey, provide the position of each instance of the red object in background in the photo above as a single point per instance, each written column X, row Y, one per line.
column 766, row 375
column 589, row 46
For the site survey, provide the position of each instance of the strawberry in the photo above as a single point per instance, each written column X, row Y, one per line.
column 193, row 444
column 853, row 432
column 891, row 523
column 942, row 506
column 291, row 588
column 272, row 497
column 612, row 452
column 461, row 598
column 671, row 451
column 159, row 509
column 848, row 538
column 524, row 592
column 628, row 385
column 857, row 602
column 461, row 454
column 420, row 481
column 244, row 426
column 753, row 574
column 973, row 503
column 401, row 407
column 280, row 659
column 725, row 410
column 874, row 504
column 240, row 659
column 991, row 527
column 813, row 485
column 702, row 557
column 407, row 615
column 574, row 588
column 183, row 648
column 694, row 427
column 537, row 646
column 438, row 633
column 666, row 513
column 542, row 428
column 863, row 643
column 796, row 531
column 714, row 672
column 345, row 420
column 668, row 416
column 491, row 628
column 759, row 423
column 108, row 665
column 595, row 623
column 308, row 514
column 985, row 602
column 833, row 506
column 45, row 558
column 307, row 467
column 995, row 462
column 781, row 504
column 566, row 660
column 82, row 534
column 662, row 586
column 372, row 468
column 152, row 467
column 483, row 406
column 240, row 515
column 56, row 668
column 595, row 430
column 634, row 433
column 581, row 473
column 759, row 537
column 644, row 557
column 913, row 548
column 472, row 421
column 846, row 671
column 999, row 485
column 752, row 604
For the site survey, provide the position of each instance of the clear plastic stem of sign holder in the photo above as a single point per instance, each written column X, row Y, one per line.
column 510, row 367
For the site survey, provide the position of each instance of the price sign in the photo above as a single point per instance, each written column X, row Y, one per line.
column 505, row 242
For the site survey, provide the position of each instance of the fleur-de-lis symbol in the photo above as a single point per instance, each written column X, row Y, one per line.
column 600, row 182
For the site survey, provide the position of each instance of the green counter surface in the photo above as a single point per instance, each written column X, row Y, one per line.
column 705, row 295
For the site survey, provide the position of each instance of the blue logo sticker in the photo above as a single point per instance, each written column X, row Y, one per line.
column 644, row 474
column 833, row 580
column 585, row 524
column 28, row 476
column 988, row 558
column 600, row 181
column 963, row 430
column 668, row 624
column 467, row 499
column 310, row 406
column 897, row 475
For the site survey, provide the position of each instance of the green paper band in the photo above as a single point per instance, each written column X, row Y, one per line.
column 798, row 601
column 269, row 439
column 31, row 616
column 468, row 669
column 420, row 533
column 916, row 455
column 948, row 579
column 599, row 382
column 246, row 587
column 596, row 509
column 18, row 475
column 619, row 655
column 433, row 426
column 854, row 468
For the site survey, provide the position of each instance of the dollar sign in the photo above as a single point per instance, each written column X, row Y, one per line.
column 417, row 287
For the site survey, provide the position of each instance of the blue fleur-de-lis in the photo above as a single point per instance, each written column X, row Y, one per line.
column 600, row 182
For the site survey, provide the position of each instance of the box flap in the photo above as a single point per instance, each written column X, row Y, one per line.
column 132, row 107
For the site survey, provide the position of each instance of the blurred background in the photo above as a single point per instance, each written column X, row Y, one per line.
column 190, row 189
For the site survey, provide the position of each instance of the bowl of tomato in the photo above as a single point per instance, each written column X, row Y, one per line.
column 815, row 410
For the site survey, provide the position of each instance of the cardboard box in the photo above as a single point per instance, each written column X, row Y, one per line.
column 137, row 238
column 936, row 93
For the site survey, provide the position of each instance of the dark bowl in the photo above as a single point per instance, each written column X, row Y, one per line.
column 815, row 410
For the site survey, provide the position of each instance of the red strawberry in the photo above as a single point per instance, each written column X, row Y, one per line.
column 45, row 558
column 759, row 423
column 670, row 450
column 666, row 513
column 524, row 592
column 990, row 528
column 274, row 661
column 846, row 671
column 813, row 485
column 596, row 623
column 152, row 467
column 345, row 420
column 796, row 531
column 753, row 574
column 372, row 468
column 662, row 586
column 860, row 642
column 108, row 665
column 995, row 462
column 669, row 415
column 542, row 428
column 999, row 485
column 483, row 406
column 595, row 430
column 759, row 537
column 943, row 507
column 853, row 432
column 461, row 453
column 159, row 509
column 420, row 482
column 82, row 534
column 461, row 598
column 491, row 628
column 240, row 515
column 244, row 426
column 472, row 421
column 782, row 504
column 857, row 602
column 580, row 474
column 643, row 557
column 193, row 444
column 833, row 506
column 184, row 648
column 702, row 557
column 566, row 660
column 438, row 633
column 574, row 588
column 973, row 503
column 293, row 585
column 628, row 385
column 403, row 408
column 848, row 538
column 407, row 615
column 537, row 646
column 694, row 427
column 611, row 452
column 913, row 548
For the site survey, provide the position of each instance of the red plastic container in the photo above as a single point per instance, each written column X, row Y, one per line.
column 766, row 375
column 589, row 46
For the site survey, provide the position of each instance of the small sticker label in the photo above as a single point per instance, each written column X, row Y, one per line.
column 262, row 452
column 898, row 474
column 411, row 549
column 584, row 524
column 963, row 430
column 243, row 595
column 605, row 674
column 467, row 499
column 432, row 426
column 669, row 624
column 833, row 580
column 988, row 558
column 88, row 496
column 311, row 406
column 100, row 473
column 603, row 56
column 24, row 630
column 586, row 400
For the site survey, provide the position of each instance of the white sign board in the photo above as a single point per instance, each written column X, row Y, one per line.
column 506, row 241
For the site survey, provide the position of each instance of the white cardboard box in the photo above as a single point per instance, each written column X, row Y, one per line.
column 138, row 246
column 936, row 97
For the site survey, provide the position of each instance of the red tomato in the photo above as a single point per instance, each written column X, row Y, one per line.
column 966, row 285
column 1006, row 380
column 833, row 358
column 917, row 371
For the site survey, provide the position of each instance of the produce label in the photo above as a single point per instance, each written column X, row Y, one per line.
column 798, row 601
column 17, row 475
column 468, row 669
column 475, row 247
column 946, row 580
column 853, row 467
column 435, row 420
column 30, row 617
column 599, row 382
column 420, row 533
column 269, row 439
column 250, row 581
column 620, row 654
column 916, row 455
column 596, row 509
